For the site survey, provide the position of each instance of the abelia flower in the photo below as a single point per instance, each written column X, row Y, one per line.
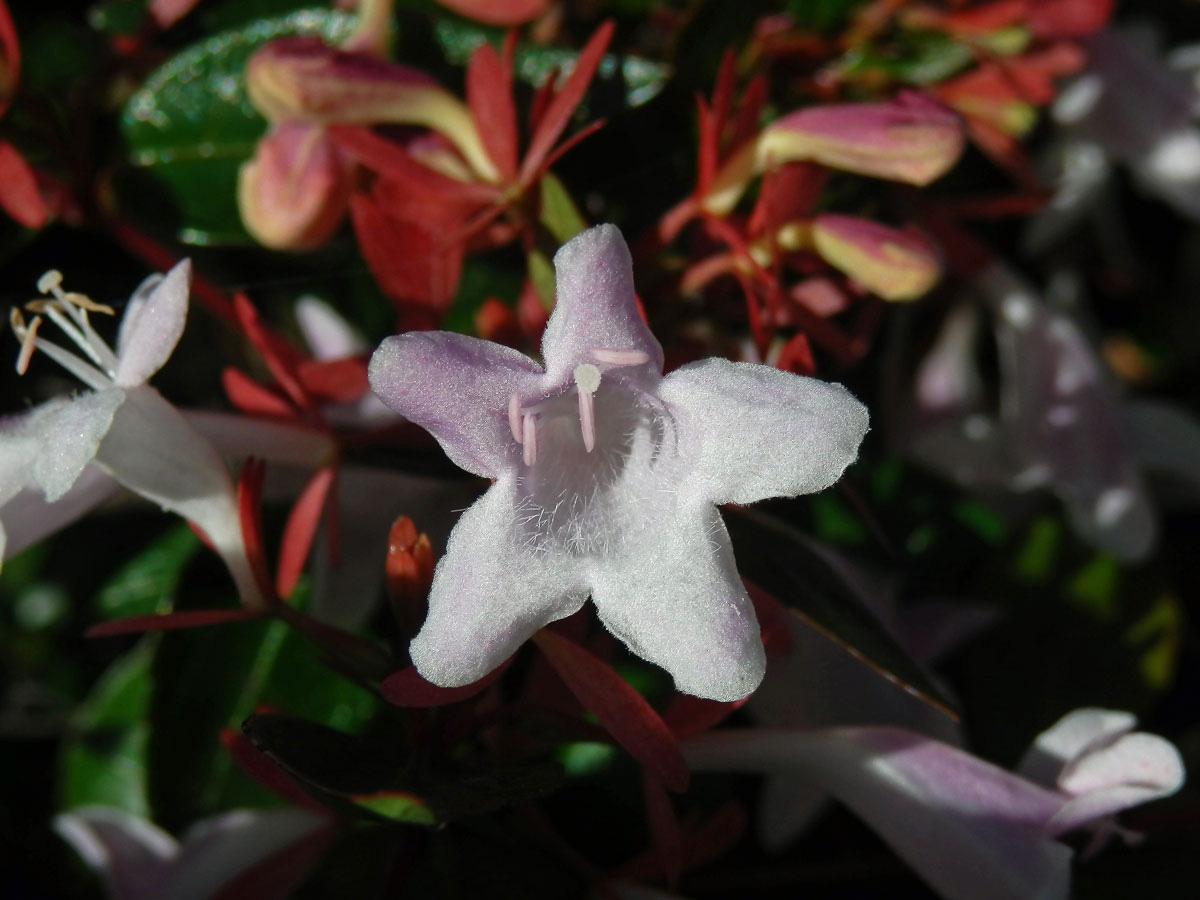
column 607, row 476
column 972, row 830
column 136, row 860
column 122, row 425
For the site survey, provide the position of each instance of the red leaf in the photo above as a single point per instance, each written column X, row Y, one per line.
column 558, row 113
column 258, row 766
column 664, row 828
column 281, row 358
column 190, row 618
column 19, row 193
column 688, row 715
column 498, row 12
column 489, row 95
column 337, row 381
column 391, row 160
column 251, row 397
column 622, row 711
column 10, row 51
column 408, row 261
column 301, row 528
column 797, row 357
column 249, row 489
column 407, row 688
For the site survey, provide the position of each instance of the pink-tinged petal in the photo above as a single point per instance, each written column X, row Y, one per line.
column 328, row 335
column 27, row 518
column 152, row 325
column 912, row 138
column 303, row 79
column 293, row 194
column 153, row 451
column 132, row 856
column 457, row 388
column 594, row 307
column 1070, row 737
column 491, row 592
column 498, row 12
column 71, row 432
column 970, row 829
column 678, row 602
column 751, row 431
column 218, row 850
column 1133, row 769
column 893, row 264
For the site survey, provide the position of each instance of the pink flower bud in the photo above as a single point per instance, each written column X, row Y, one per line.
column 293, row 193
column 304, row 79
column 895, row 265
column 911, row 138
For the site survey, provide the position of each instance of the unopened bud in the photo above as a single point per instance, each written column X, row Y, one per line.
column 894, row 264
column 293, row 194
column 303, row 79
column 410, row 565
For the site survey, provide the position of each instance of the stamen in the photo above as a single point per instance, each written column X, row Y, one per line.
column 587, row 419
column 612, row 357
column 28, row 338
column 74, row 323
column 50, row 282
column 529, row 438
column 587, row 380
column 514, row 417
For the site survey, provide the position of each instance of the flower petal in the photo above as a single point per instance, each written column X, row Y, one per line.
column 755, row 432
column 71, row 432
column 131, row 855
column 678, row 602
column 1134, row 769
column 27, row 517
column 328, row 335
column 490, row 593
column 972, row 830
column 1070, row 737
column 153, row 451
column 457, row 388
column 594, row 307
column 151, row 326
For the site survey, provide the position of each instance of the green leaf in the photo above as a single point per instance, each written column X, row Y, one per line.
column 104, row 756
column 147, row 583
column 779, row 559
column 191, row 126
column 558, row 211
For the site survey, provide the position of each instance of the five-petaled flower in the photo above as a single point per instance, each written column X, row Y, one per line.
column 607, row 476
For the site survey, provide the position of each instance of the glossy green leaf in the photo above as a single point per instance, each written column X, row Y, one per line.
column 558, row 211
column 104, row 755
column 147, row 583
column 191, row 126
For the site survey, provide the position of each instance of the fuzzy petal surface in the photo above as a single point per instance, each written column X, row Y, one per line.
column 70, row 432
column 972, row 830
column 594, row 305
column 152, row 326
column 753, row 432
column 155, row 453
column 457, row 388
column 678, row 601
column 490, row 593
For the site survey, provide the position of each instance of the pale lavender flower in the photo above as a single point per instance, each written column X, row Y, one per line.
column 607, row 476
column 136, row 860
column 121, row 426
column 973, row 831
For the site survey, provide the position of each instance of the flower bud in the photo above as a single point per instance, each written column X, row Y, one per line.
column 911, row 138
column 293, row 194
column 304, row 79
column 895, row 265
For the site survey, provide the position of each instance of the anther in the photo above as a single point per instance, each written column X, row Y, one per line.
column 50, row 282
column 529, row 438
column 514, row 418
column 612, row 357
column 28, row 342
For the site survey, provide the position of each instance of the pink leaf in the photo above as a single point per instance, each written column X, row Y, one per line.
column 191, row 618
column 407, row 688
column 489, row 95
column 301, row 528
column 19, row 194
column 498, row 12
